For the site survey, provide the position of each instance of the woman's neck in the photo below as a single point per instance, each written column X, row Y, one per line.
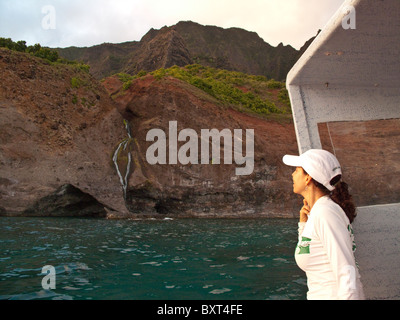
column 312, row 195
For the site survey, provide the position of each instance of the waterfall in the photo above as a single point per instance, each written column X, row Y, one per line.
column 124, row 144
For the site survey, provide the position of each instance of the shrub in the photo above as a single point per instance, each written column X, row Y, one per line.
column 127, row 85
column 283, row 96
column 83, row 67
column 21, row 46
column 45, row 53
column 7, row 43
column 76, row 83
column 159, row 74
column 141, row 73
column 124, row 77
column 273, row 84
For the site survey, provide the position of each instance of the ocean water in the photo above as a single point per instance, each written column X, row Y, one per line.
column 178, row 259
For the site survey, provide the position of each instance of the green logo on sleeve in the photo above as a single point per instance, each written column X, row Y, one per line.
column 304, row 246
column 350, row 229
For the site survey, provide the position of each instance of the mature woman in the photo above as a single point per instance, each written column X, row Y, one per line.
column 326, row 245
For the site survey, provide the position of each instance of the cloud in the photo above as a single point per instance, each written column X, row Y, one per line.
column 90, row 22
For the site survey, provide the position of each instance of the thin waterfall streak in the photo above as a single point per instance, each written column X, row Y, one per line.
column 127, row 174
column 125, row 185
column 128, row 128
column 124, row 144
column 115, row 160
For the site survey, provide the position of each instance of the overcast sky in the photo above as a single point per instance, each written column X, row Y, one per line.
column 63, row 23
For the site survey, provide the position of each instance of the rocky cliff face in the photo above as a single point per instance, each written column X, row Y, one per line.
column 200, row 189
column 60, row 130
column 159, row 49
column 236, row 49
column 57, row 126
column 185, row 43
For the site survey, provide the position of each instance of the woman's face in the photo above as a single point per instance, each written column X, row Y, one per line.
column 300, row 179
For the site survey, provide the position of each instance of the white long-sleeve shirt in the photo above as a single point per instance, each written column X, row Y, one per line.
column 325, row 251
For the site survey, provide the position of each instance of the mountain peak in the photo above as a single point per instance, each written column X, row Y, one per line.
column 159, row 49
column 189, row 42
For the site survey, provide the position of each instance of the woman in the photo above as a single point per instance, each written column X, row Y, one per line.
column 326, row 245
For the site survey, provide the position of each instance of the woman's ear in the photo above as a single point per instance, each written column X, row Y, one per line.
column 308, row 179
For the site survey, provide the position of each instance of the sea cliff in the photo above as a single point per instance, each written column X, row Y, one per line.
column 60, row 129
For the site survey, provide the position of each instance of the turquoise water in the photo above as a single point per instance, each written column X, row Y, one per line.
column 179, row 259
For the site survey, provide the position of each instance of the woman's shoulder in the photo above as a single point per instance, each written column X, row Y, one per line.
column 328, row 210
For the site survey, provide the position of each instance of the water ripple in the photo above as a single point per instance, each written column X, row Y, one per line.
column 150, row 259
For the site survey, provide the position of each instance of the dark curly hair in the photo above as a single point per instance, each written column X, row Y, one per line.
column 340, row 195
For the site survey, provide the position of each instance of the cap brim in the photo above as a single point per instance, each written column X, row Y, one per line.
column 293, row 161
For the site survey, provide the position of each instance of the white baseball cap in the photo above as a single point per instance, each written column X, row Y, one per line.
column 321, row 165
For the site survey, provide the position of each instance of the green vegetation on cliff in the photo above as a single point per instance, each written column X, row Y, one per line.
column 255, row 94
column 37, row 50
